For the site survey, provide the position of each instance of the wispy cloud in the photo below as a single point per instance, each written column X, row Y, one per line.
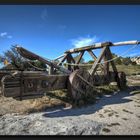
column 5, row 35
column 44, row 14
column 84, row 41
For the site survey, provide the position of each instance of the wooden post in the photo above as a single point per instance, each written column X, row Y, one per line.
column 106, row 65
column 112, row 62
column 51, row 69
column 69, row 61
column 21, row 85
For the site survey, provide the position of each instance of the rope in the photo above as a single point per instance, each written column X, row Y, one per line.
column 105, row 61
column 35, row 66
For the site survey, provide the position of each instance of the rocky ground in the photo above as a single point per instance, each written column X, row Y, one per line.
column 116, row 114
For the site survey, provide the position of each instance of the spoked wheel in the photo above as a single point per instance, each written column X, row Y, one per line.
column 80, row 85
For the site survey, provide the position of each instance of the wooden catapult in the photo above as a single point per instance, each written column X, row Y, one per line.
column 77, row 80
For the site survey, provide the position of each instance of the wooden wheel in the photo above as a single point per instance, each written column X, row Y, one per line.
column 78, row 86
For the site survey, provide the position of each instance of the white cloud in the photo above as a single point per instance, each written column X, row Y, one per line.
column 9, row 36
column 44, row 14
column 84, row 41
column 5, row 35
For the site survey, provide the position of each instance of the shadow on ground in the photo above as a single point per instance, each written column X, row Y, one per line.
column 118, row 98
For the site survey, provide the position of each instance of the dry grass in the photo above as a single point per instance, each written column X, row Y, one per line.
column 52, row 99
column 130, row 69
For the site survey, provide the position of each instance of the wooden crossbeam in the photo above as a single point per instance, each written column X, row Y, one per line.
column 80, row 57
column 63, row 59
column 94, row 56
column 95, row 65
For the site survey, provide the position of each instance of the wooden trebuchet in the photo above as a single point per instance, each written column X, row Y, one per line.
column 81, row 83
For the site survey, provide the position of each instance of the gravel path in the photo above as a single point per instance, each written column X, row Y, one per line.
column 117, row 114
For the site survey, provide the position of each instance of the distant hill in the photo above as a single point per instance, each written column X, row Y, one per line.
column 136, row 59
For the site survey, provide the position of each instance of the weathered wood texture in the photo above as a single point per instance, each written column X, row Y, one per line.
column 77, row 87
column 33, row 83
column 95, row 65
column 30, row 55
column 101, row 45
column 95, row 57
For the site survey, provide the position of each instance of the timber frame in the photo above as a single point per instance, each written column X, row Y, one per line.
column 32, row 82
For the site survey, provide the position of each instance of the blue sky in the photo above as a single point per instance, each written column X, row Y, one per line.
column 49, row 30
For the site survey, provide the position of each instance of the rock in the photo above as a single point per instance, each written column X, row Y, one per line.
column 38, row 125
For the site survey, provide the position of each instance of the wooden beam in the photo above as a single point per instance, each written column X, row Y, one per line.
column 80, row 57
column 94, row 57
column 69, row 61
column 101, row 45
column 30, row 55
column 95, row 46
column 106, row 65
column 60, row 57
column 41, row 83
column 51, row 69
column 95, row 65
column 92, row 54
column 72, row 59
column 63, row 59
column 112, row 62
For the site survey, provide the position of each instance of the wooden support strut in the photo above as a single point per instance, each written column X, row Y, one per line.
column 69, row 60
column 95, row 65
column 79, row 59
column 94, row 56
column 63, row 59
